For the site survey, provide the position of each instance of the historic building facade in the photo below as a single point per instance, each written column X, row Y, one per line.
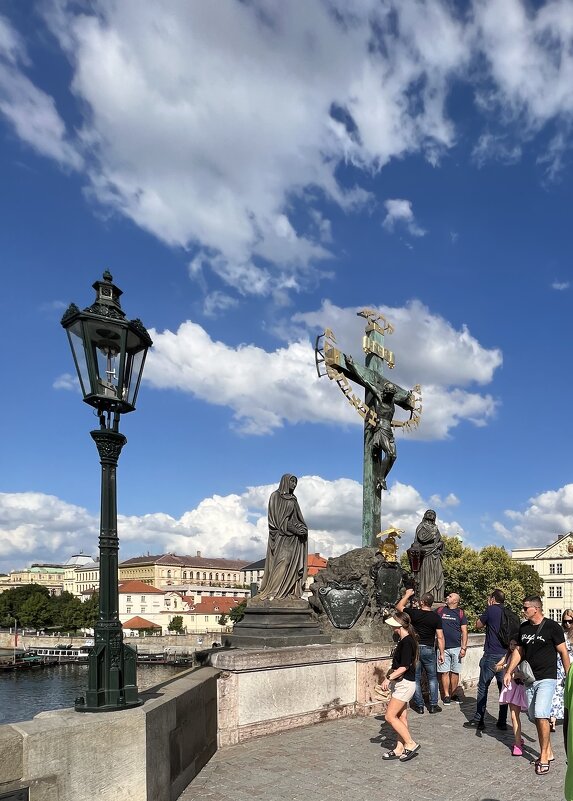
column 169, row 570
column 554, row 563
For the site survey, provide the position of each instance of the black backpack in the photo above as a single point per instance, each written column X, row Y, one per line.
column 509, row 626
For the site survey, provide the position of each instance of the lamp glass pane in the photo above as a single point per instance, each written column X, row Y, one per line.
column 79, row 354
column 133, row 369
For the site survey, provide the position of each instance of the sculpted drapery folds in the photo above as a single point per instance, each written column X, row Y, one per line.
column 286, row 562
column 429, row 540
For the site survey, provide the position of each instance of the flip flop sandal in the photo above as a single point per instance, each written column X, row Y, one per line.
column 390, row 755
column 541, row 768
column 409, row 754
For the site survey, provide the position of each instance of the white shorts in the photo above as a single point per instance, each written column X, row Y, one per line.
column 403, row 690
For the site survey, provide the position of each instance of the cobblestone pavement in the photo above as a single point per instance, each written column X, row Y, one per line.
column 342, row 758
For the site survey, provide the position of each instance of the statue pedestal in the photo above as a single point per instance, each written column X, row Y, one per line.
column 276, row 624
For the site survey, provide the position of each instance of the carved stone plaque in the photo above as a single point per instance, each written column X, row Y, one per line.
column 387, row 578
column 343, row 603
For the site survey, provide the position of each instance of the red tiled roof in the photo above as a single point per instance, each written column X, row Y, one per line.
column 212, row 604
column 316, row 563
column 139, row 623
column 138, row 587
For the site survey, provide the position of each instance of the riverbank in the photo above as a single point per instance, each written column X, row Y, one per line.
column 173, row 643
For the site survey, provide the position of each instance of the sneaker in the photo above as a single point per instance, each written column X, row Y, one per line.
column 418, row 709
column 516, row 751
column 434, row 708
column 501, row 726
column 456, row 698
column 446, row 699
column 474, row 724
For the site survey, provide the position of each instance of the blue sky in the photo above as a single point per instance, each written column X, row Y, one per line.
column 250, row 176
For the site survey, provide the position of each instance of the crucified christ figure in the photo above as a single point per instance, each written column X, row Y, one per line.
column 379, row 439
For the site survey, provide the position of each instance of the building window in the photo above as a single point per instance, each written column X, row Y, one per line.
column 128, row 599
column 198, row 575
column 552, row 592
column 169, row 574
column 143, row 599
column 559, row 568
column 128, row 609
column 184, row 574
column 206, row 618
column 210, row 577
column 552, row 568
column 204, row 576
column 555, row 614
column 144, row 609
column 559, row 592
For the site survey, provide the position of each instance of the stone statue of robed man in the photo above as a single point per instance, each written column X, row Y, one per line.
column 429, row 540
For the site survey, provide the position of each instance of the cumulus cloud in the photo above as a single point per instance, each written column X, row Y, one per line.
column 560, row 286
column 31, row 112
column 37, row 527
column 546, row 516
column 287, row 389
column 399, row 212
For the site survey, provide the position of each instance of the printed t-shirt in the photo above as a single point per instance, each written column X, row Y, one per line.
column 404, row 657
column 492, row 619
column 426, row 624
column 452, row 622
column 541, row 649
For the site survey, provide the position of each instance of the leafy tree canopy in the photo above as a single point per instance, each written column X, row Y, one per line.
column 238, row 612
column 176, row 624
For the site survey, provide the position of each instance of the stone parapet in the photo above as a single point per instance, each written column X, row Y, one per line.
column 149, row 753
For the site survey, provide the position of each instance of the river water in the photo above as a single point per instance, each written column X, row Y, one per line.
column 25, row 693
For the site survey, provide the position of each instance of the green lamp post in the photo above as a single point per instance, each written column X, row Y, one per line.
column 109, row 353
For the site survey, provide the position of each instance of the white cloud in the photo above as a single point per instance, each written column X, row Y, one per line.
column 399, row 212
column 217, row 302
column 547, row 515
column 266, row 389
column 31, row 112
column 560, row 286
column 67, row 381
column 37, row 527
column 490, row 147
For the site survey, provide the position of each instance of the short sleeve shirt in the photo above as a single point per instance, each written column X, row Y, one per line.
column 491, row 618
column 452, row 622
column 404, row 657
column 541, row 647
column 426, row 623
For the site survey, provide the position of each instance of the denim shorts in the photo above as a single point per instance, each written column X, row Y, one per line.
column 539, row 697
column 451, row 663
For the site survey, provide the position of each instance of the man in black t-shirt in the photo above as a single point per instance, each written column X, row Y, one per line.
column 428, row 626
column 540, row 640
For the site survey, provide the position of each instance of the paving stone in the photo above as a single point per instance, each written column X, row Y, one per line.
column 344, row 758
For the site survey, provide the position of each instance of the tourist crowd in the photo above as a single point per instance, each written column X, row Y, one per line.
column 529, row 659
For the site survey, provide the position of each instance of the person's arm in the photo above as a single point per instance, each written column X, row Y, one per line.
column 441, row 645
column 516, row 658
column 564, row 654
column 393, row 675
column 464, row 648
column 403, row 602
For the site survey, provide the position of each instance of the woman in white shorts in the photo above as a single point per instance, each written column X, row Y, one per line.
column 401, row 681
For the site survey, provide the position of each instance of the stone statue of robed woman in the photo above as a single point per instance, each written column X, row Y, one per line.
column 429, row 541
column 286, row 562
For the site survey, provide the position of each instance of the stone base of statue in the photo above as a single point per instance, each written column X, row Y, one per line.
column 354, row 593
column 278, row 623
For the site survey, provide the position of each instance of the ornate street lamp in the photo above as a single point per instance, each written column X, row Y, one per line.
column 109, row 353
column 415, row 558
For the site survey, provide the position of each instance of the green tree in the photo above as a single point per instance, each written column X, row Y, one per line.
column 12, row 600
column 90, row 611
column 176, row 624
column 238, row 612
column 67, row 612
column 222, row 620
column 35, row 612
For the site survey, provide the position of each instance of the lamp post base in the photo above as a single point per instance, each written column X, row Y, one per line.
column 112, row 674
